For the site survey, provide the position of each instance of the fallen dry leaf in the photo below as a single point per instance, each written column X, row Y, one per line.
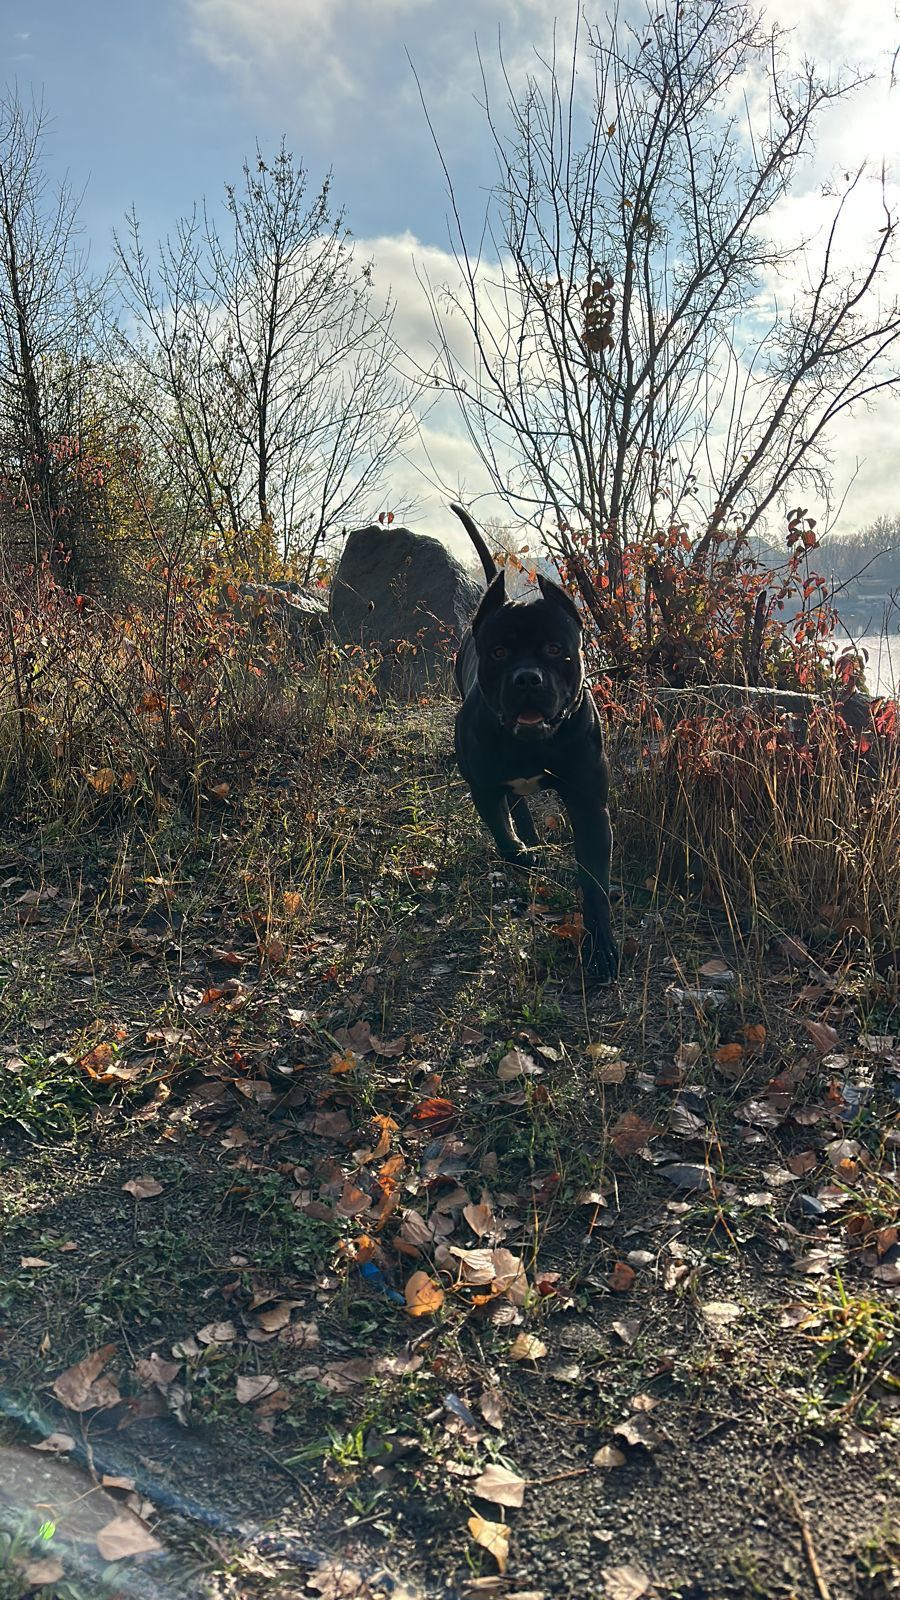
column 481, row 1218
column 728, row 1057
column 493, row 1537
column 720, row 1312
column 125, row 1536
column 638, row 1430
column 492, row 1406
column 527, row 1347
column 631, row 1134
column 424, row 1295
column 217, row 1333
column 516, row 1064
column 687, row 1055
column 46, row 1569
column 249, row 1390
column 82, row 1388
column 611, row 1072
column 625, row 1583
column 56, row 1443
column 823, row 1036
column 622, row 1277
column 500, row 1486
column 143, row 1188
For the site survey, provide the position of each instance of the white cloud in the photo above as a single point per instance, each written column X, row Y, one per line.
column 342, row 68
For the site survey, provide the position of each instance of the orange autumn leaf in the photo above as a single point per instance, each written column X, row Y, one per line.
column 622, row 1277
column 424, row 1295
column 631, row 1134
column 436, row 1113
column 728, row 1055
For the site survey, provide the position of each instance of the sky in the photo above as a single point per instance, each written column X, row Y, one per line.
column 154, row 103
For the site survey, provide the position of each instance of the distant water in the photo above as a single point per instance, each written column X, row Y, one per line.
column 883, row 665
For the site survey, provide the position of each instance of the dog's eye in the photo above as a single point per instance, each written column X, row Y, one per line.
column 552, row 650
column 499, row 652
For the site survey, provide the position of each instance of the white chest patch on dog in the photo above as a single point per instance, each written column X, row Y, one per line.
column 524, row 785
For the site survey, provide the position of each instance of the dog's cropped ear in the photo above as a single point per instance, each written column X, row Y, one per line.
column 555, row 593
column 493, row 598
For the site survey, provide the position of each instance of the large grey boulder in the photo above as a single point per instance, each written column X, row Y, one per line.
column 406, row 596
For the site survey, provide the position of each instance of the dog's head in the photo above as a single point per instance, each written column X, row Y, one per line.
column 530, row 669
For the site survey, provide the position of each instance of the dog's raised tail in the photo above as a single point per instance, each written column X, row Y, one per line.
column 487, row 561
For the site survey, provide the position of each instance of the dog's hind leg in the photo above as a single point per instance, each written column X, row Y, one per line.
column 593, row 849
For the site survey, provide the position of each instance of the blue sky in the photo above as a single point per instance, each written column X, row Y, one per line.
column 155, row 103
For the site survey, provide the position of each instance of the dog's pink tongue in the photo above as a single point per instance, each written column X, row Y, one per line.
column 531, row 718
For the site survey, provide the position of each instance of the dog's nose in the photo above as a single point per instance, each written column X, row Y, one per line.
column 528, row 678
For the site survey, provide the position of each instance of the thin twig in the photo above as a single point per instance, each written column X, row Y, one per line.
column 809, row 1548
column 557, row 1477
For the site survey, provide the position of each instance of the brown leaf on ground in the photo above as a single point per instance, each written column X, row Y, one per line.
column 476, row 1267
column 527, row 1347
column 125, row 1536
column 516, row 1064
column 492, row 1407
column 155, row 1372
column 82, row 1388
column 482, row 1221
column 500, row 1486
column 424, row 1295
column 56, row 1444
column 625, row 1583
column 823, row 1036
column 251, row 1389
column 44, row 1570
column 631, row 1134
column 509, row 1275
column 622, row 1277
column 638, row 1430
column 435, row 1113
column 278, row 1316
column 729, row 1059
column 143, row 1188
column 493, row 1537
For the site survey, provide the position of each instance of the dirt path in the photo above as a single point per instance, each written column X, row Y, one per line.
column 435, row 1260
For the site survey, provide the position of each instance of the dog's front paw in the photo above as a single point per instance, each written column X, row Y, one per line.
column 526, row 857
column 600, row 954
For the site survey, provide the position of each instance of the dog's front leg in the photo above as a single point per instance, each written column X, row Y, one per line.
column 492, row 806
column 523, row 821
column 592, row 832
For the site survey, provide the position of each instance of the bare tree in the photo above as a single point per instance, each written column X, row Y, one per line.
column 657, row 354
column 270, row 360
column 48, row 312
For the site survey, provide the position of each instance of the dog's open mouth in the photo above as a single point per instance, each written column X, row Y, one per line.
column 530, row 722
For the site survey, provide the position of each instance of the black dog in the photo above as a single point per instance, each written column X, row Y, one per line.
column 529, row 722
